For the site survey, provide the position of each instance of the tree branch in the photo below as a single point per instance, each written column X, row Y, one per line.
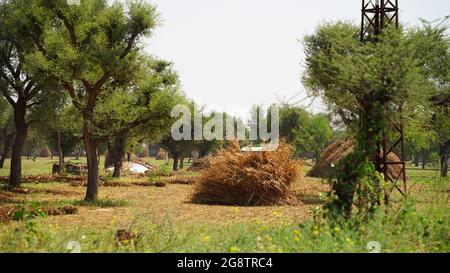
column 8, row 97
column 129, row 45
column 10, row 81
column 73, row 95
column 28, row 88
column 70, row 28
column 99, row 84
column 35, row 90
column 32, row 104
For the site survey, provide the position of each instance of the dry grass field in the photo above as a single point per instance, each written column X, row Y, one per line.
column 126, row 201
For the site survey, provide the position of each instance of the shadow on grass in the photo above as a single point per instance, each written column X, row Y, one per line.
column 309, row 200
column 101, row 203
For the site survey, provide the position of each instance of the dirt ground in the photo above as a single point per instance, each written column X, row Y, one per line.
column 171, row 201
column 138, row 199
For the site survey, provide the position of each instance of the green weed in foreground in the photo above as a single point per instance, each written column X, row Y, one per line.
column 402, row 230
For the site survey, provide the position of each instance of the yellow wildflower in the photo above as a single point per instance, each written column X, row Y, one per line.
column 234, row 249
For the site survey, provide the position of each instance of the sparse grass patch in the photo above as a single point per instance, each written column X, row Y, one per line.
column 101, row 203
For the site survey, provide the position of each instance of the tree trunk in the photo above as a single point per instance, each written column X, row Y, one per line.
column 15, row 178
column 175, row 163
column 443, row 151
column 424, row 160
column 78, row 154
column 119, row 153
column 60, row 154
column 8, row 142
column 317, row 156
column 444, row 165
column 91, row 152
column 355, row 164
column 182, row 163
column 416, row 161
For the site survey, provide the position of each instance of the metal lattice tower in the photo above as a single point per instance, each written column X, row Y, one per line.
column 377, row 15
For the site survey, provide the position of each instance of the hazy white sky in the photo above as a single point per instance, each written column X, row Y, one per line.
column 246, row 52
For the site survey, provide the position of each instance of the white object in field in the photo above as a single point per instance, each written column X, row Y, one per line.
column 132, row 167
column 138, row 168
column 73, row 247
column 374, row 247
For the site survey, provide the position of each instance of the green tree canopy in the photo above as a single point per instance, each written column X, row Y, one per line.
column 365, row 84
column 87, row 49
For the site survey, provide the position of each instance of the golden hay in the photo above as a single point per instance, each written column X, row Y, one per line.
column 337, row 151
column 45, row 152
column 248, row 179
column 161, row 155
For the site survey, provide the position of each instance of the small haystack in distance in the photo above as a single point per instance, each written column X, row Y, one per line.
column 199, row 164
column 337, row 151
column 248, row 178
column 45, row 152
column 162, row 155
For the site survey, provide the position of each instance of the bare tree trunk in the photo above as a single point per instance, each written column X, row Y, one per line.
column 60, row 154
column 7, row 144
column 424, row 160
column 175, row 163
column 119, row 153
column 444, row 166
column 78, row 154
column 181, row 163
column 15, row 178
column 443, row 151
column 91, row 152
column 416, row 160
column 317, row 156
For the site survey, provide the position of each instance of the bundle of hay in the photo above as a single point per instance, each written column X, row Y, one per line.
column 161, row 155
column 248, row 179
column 331, row 157
column 337, row 151
column 145, row 153
column 45, row 152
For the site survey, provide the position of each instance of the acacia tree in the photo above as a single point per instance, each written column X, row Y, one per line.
column 364, row 84
column 433, row 46
column 63, row 134
column 139, row 111
column 23, row 89
column 442, row 124
column 86, row 48
column 7, row 131
column 314, row 136
column 292, row 121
